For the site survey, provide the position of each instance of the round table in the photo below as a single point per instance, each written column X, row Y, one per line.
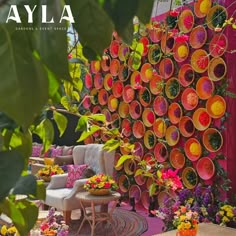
column 94, row 216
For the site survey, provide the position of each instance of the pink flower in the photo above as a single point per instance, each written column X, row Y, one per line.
column 98, row 180
column 69, row 56
column 107, row 185
column 181, row 38
column 138, row 86
column 174, row 13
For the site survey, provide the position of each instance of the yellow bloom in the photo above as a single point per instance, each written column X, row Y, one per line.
column 4, row 230
column 217, row 107
column 11, row 230
column 205, row 6
column 225, row 219
column 182, row 51
column 161, row 128
column 187, row 225
column 194, row 149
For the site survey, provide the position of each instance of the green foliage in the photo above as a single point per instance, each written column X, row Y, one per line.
column 215, row 140
column 46, row 132
column 11, row 167
column 123, row 159
column 61, row 121
column 23, row 213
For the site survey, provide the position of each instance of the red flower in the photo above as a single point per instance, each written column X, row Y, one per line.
column 107, row 185
column 204, row 118
column 181, row 38
column 69, row 56
column 174, row 13
column 202, row 62
column 150, row 117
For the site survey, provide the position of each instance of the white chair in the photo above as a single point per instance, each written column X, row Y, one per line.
column 62, row 198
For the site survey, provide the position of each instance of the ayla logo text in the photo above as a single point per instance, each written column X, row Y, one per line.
column 14, row 14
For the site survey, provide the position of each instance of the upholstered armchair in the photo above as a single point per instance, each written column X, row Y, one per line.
column 63, row 198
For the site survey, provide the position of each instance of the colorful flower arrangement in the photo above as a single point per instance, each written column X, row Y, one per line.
column 185, row 218
column 53, row 225
column 100, row 181
column 49, row 171
column 226, row 215
column 8, row 230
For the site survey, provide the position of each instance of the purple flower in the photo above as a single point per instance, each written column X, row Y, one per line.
column 207, row 86
column 168, row 68
column 189, row 126
column 200, row 36
column 162, row 106
column 219, row 70
column 174, row 135
column 177, row 112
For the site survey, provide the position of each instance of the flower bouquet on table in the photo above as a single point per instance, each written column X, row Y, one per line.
column 49, row 170
column 226, row 215
column 100, row 184
column 186, row 221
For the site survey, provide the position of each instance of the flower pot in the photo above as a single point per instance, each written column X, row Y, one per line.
column 186, row 21
column 100, row 192
column 187, row 232
column 198, row 37
column 216, row 106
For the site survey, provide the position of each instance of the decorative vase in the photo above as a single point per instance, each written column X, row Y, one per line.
column 187, row 232
column 100, row 192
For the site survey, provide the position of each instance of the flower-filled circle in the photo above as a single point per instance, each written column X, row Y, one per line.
column 205, row 168
column 186, row 126
column 160, row 105
column 189, row 99
column 186, row 21
column 204, row 88
column 186, row 75
column 160, row 152
column 159, row 127
column 198, row 37
column 201, row 119
column 193, row 149
column 172, row 135
column 217, row 69
column 200, row 60
column 212, row 139
column 216, row 106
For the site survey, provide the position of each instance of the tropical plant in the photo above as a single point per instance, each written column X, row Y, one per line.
column 37, row 75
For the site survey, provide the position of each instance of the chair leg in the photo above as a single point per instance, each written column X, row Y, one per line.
column 67, row 216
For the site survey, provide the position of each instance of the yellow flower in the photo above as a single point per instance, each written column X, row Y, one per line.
column 217, row 107
column 187, row 225
column 161, row 127
column 182, row 51
column 194, row 149
column 225, row 219
column 205, row 6
column 4, row 230
column 11, row 230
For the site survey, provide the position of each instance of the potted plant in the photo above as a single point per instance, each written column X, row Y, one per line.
column 186, row 221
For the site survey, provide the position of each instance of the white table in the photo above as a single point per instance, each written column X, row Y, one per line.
column 94, row 216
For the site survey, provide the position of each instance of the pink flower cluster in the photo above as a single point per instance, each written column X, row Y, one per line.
column 170, row 179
